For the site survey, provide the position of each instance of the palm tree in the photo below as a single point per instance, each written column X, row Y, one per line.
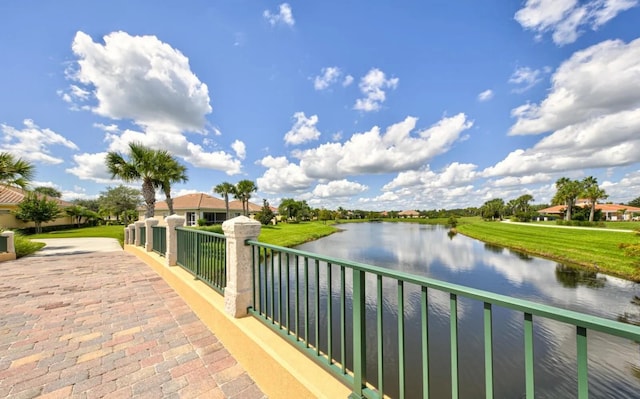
column 567, row 192
column 15, row 172
column 244, row 188
column 224, row 189
column 592, row 192
column 170, row 171
column 142, row 165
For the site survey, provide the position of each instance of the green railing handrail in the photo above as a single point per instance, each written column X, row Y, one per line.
column 4, row 243
column 355, row 377
column 143, row 235
column 159, row 244
column 203, row 254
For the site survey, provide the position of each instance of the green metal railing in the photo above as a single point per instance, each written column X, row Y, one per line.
column 143, row 235
column 3, row 244
column 203, row 254
column 159, row 244
column 294, row 294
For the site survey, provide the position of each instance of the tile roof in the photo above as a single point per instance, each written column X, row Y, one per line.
column 600, row 207
column 202, row 201
column 13, row 196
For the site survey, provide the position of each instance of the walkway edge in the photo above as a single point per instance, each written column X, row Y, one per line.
column 279, row 369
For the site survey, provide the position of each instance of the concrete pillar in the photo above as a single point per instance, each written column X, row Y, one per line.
column 173, row 221
column 238, row 291
column 137, row 226
column 149, row 223
column 132, row 231
column 126, row 235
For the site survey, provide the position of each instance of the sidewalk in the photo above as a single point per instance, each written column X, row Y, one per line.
column 104, row 324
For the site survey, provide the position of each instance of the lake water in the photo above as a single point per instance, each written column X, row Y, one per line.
column 614, row 364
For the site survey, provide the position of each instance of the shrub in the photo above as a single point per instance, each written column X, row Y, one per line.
column 25, row 246
column 202, row 222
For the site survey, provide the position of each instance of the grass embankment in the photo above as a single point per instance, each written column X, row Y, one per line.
column 116, row 232
column 592, row 249
column 292, row 234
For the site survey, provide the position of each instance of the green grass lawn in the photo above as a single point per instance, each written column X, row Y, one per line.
column 116, row 232
column 292, row 234
column 588, row 248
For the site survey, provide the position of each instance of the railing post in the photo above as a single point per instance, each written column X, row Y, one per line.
column 126, row 235
column 173, row 221
column 11, row 248
column 132, row 231
column 136, row 226
column 359, row 337
column 238, row 292
column 149, row 223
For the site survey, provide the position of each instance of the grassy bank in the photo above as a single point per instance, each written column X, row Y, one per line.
column 116, row 232
column 292, row 234
column 592, row 249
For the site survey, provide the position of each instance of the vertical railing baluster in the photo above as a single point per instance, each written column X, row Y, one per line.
column 288, row 305
column 401, row 372
column 297, row 298
column 317, row 306
column 379, row 326
column 253, row 275
column 488, row 351
column 359, row 337
column 583, row 369
column 424, row 315
column 306, row 302
column 261, row 307
column 528, row 355
column 280, row 290
column 197, row 240
column 273, row 291
column 329, row 317
column 454, row 345
column 343, row 321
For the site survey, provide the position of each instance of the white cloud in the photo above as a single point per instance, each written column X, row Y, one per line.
column 597, row 81
column 328, row 77
column 284, row 16
column 347, row 80
column 282, row 176
column 142, row 79
column 338, row 188
column 32, row 143
column 240, row 149
column 453, row 175
column 376, row 152
column 525, row 78
column 519, row 181
column 567, row 18
column 303, row 129
column 372, row 85
column 91, row 167
column 485, row 95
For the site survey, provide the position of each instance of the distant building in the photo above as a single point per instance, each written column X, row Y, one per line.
column 409, row 214
column 610, row 212
column 10, row 197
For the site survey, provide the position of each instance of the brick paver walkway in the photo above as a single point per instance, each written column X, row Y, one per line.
column 106, row 325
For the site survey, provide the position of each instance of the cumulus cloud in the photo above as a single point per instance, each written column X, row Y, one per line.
column 347, row 80
column 377, row 152
column 240, row 149
column 566, row 19
column 145, row 80
column 32, row 142
column 282, row 176
column 525, row 78
column 485, row 95
column 372, row 86
column 519, row 181
column 453, row 175
column 601, row 80
column 91, row 167
column 303, row 129
column 338, row 188
column 284, row 16
column 327, row 77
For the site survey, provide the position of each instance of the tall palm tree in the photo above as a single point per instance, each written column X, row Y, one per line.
column 224, row 189
column 142, row 165
column 244, row 188
column 567, row 192
column 170, row 171
column 15, row 172
column 593, row 193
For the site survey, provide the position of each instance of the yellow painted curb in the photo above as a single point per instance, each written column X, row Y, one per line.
column 279, row 369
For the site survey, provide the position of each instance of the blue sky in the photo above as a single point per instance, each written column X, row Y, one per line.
column 363, row 104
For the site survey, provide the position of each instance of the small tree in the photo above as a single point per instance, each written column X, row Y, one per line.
column 77, row 213
column 266, row 214
column 48, row 191
column 37, row 210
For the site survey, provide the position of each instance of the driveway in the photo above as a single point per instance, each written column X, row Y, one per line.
column 76, row 246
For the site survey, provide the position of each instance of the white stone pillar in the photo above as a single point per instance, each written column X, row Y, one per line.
column 173, row 221
column 238, row 291
column 148, row 243
column 126, row 235
column 11, row 247
column 132, row 231
column 137, row 226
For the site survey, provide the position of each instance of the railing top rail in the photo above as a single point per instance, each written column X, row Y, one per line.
column 159, row 227
column 207, row 233
column 563, row 315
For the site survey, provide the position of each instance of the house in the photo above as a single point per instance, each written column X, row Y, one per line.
column 10, row 197
column 199, row 206
column 409, row 214
column 610, row 212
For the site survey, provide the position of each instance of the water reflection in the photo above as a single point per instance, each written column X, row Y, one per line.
column 430, row 251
